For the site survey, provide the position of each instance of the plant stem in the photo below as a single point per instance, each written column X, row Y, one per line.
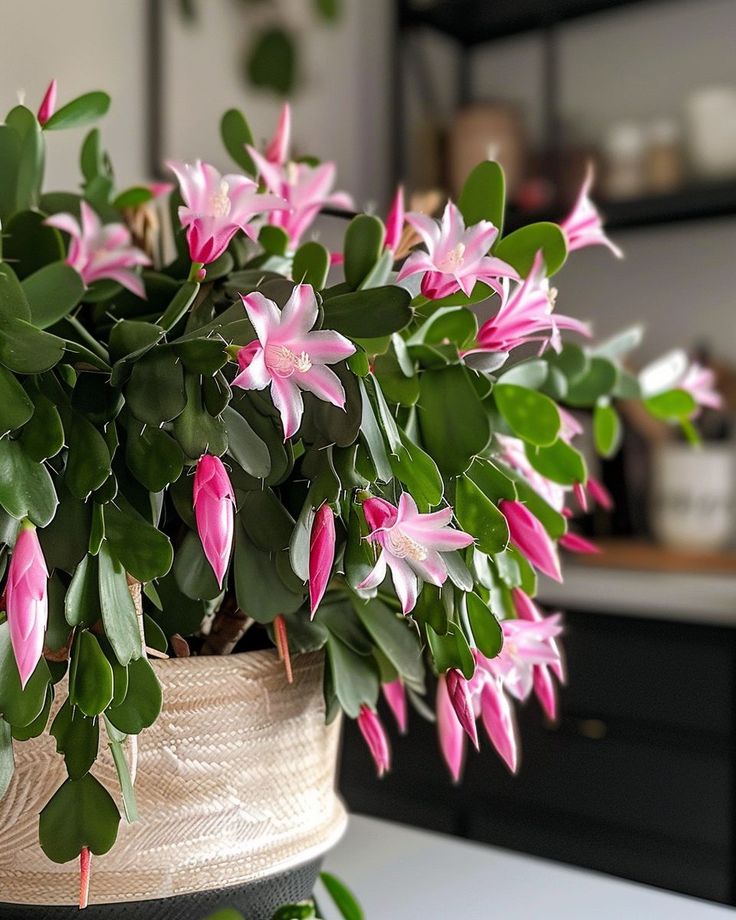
column 89, row 340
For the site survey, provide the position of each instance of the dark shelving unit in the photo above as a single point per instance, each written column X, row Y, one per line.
column 476, row 23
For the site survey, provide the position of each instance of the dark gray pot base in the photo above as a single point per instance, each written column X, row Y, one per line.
column 256, row 901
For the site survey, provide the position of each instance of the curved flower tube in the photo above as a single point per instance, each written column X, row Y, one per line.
column 375, row 737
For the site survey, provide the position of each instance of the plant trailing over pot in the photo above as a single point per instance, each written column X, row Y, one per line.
column 283, row 445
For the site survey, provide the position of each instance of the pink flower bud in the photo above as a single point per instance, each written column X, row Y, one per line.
column 378, row 513
column 395, row 695
column 457, row 689
column 450, row 732
column 375, row 737
column 577, row 544
column 48, row 104
column 499, row 722
column 599, row 493
column 581, row 496
column 27, row 601
column 530, row 538
column 321, row 554
column 278, row 150
column 544, row 690
column 214, row 501
column 395, row 221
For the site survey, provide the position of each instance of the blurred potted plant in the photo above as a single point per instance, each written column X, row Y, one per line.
column 227, row 451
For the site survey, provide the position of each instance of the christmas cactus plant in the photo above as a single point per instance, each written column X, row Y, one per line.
column 281, row 444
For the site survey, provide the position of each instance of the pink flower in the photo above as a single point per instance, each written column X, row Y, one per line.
column 290, row 357
column 214, row 502
column 395, row 221
column 544, row 687
column 513, row 453
column 306, row 189
column 525, row 315
column 700, row 383
column 577, row 544
column 459, row 694
column 216, row 207
column 98, row 250
column 583, row 226
column 375, row 737
column 411, row 546
column 530, row 538
column 526, row 644
column 395, row 695
column 450, row 732
column 48, row 104
column 26, row 601
column 456, row 257
column 321, row 554
column 500, row 723
column 599, row 493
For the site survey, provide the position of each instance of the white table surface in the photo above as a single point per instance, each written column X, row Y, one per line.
column 400, row 873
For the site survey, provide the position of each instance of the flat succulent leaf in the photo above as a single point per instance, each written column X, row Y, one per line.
column 81, row 813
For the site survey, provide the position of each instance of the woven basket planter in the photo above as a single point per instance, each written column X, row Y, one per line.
column 236, row 795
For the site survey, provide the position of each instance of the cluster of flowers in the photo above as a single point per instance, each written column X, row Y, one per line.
column 290, row 357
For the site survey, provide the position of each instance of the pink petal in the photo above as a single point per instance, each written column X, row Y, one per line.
column 405, row 582
column 287, row 399
column 379, row 513
column 395, row 221
column 457, row 689
column 544, row 690
column 577, row 544
column 499, row 723
column 323, row 382
column 48, row 104
column 530, row 538
column 395, row 695
column 256, row 375
column 299, row 314
column 375, row 737
column 321, row 554
column 278, row 150
column 325, row 347
column 450, row 732
column 263, row 314
column 376, row 576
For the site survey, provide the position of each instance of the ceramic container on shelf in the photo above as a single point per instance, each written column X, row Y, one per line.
column 235, row 786
column 694, row 496
column 711, row 121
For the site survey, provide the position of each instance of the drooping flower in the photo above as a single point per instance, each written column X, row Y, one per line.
column 500, row 723
column 48, row 104
column 457, row 690
column 544, row 686
column 456, row 256
column 26, row 601
column 289, row 357
column 216, row 207
column 526, row 644
column 411, row 545
column 321, row 554
column 306, row 188
column 530, row 538
column 526, row 315
column 700, row 383
column 375, row 737
column 214, row 504
column 98, row 250
column 583, row 226
column 449, row 730
column 599, row 493
column 394, row 693
column 395, row 221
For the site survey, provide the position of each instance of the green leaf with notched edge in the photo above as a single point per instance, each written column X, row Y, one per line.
column 486, row 629
column 16, row 407
column 531, row 416
column 26, row 349
column 19, row 707
column 118, row 611
column 478, row 516
column 26, row 489
column 142, row 549
column 370, row 313
column 142, row 703
column 81, row 813
column 82, row 601
column 80, row 111
column 451, row 650
column 311, row 265
column 395, row 635
column 520, row 247
column 88, row 464
column 53, row 291
column 43, row 436
column 483, row 196
column 363, row 246
column 453, row 422
column 77, row 738
column 559, row 462
column 155, row 390
column 153, row 456
column 244, row 445
column 235, row 133
column 90, row 675
column 354, row 677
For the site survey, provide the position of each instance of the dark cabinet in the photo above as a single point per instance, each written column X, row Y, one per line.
column 636, row 779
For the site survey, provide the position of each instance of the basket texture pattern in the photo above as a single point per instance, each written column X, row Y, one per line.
column 235, row 782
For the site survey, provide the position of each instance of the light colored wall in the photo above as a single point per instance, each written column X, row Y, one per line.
column 86, row 45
